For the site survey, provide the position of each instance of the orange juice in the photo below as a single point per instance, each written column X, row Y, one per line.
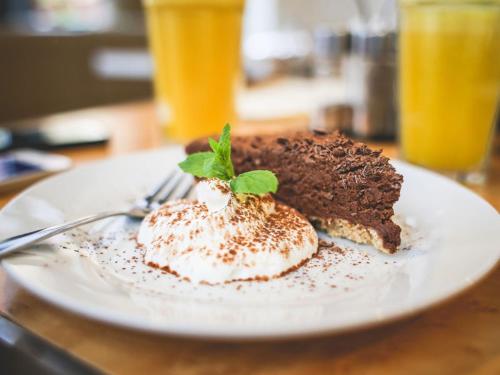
column 196, row 50
column 449, row 80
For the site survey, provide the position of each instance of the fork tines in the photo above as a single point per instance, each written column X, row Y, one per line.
column 176, row 185
column 180, row 188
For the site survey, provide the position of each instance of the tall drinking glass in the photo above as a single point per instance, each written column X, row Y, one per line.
column 196, row 50
column 449, row 81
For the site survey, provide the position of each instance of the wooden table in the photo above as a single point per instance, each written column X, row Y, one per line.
column 461, row 336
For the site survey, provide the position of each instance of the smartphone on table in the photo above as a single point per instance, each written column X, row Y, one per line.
column 22, row 167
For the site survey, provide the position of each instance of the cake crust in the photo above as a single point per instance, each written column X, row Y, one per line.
column 330, row 179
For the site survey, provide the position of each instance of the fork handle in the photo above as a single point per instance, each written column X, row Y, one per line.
column 23, row 241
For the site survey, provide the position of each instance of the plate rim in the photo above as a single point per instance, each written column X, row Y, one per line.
column 197, row 333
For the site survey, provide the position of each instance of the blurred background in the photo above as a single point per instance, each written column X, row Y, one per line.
column 60, row 55
column 426, row 70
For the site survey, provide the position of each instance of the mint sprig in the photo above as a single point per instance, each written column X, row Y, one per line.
column 217, row 163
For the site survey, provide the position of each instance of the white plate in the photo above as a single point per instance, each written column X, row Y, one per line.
column 452, row 237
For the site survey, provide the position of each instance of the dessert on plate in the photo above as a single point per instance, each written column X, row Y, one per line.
column 341, row 186
column 223, row 236
column 234, row 230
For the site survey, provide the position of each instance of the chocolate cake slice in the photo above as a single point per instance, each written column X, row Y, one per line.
column 342, row 186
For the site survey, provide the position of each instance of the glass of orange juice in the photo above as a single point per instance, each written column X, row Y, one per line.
column 196, row 51
column 449, row 82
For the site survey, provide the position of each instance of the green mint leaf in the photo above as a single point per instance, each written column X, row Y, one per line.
column 255, row 182
column 213, row 145
column 225, row 140
column 213, row 168
column 204, row 164
column 224, row 150
column 199, row 164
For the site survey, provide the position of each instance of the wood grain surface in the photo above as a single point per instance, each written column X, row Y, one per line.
column 461, row 336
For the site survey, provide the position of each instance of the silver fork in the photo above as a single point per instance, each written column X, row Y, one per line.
column 176, row 185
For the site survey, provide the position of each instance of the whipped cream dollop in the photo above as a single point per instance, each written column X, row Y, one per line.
column 222, row 236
